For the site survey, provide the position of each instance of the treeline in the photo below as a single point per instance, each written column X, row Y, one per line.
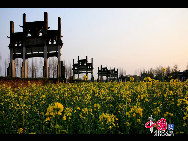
column 157, row 74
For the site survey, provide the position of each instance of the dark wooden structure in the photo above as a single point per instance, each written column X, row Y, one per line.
column 36, row 40
column 123, row 78
column 111, row 74
column 183, row 76
column 82, row 66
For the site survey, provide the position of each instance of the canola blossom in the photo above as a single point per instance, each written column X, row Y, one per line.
column 163, row 69
column 93, row 107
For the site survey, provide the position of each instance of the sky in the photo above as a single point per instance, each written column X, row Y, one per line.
column 132, row 39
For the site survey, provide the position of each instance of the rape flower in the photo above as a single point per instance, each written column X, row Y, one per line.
column 55, row 109
column 147, row 79
column 68, row 112
column 97, row 106
column 32, row 133
column 134, row 114
column 163, row 69
column 127, row 123
column 43, row 96
column 128, row 114
column 64, row 117
column 114, row 104
column 184, row 118
column 131, row 79
column 109, row 119
column 85, row 111
column 50, row 111
column 85, row 77
column 139, row 111
column 20, row 130
column 47, row 119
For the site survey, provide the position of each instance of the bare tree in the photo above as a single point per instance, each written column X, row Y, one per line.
column 168, row 70
column 35, row 67
column 18, row 64
column 175, row 68
column 53, row 67
column 40, row 67
column 5, row 68
column 68, row 70
column 50, row 68
column 29, row 63
column 121, row 72
column 7, row 65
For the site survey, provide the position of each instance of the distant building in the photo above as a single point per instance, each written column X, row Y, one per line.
column 183, row 76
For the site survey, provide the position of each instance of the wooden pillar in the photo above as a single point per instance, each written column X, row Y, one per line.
column 11, row 30
column 12, row 69
column 46, row 20
column 107, row 77
column 24, row 18
column 101, row 78
column 24, row 69
column 98, row 73
column 78, row 67
column 45, row 74
column 86, row 67
column 92, row 78
column 59, row 62
column 11, row 45
column 59, row 48
column 24, row 21
column 73, row 71
column 59, row 28
column 10, row 64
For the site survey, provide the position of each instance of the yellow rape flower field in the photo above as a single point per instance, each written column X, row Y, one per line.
column 93, row 107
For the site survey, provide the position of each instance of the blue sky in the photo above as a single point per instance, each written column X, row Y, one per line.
column 132, row 39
